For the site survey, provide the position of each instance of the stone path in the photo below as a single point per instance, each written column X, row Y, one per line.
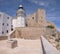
column 28, row 47
column 24, row 47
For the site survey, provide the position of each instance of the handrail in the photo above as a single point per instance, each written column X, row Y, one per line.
column 48, row 47
column 9, row 38
column 42, row 46
column 11, row 32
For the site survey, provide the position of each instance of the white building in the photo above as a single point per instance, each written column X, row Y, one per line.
column 20, row 18
column 5, row 24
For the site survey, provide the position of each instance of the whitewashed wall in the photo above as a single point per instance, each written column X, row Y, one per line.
column 7, row 21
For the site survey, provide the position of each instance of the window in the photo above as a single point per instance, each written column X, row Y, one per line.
column 32, row 17
column 2, row 32
column 11, row 29
column 0, row 15
column 7, row 31
column 41, row 17
column 3, row 24
column 26, row 25
column 7, row 24
column 11, row 25
column 7, row 17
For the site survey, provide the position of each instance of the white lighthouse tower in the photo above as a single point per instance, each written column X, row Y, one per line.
column 20, row 15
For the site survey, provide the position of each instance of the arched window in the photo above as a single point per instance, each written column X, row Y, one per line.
column 32, row 17
column 7, row 17
column 7, row 31
column 2, row 32
column 7, row 24
column 3, row 24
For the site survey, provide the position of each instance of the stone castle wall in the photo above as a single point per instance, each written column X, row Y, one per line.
column 28, row 32
column 36, row 26
column 37, row 19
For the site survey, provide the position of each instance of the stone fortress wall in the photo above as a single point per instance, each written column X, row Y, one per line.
column 35, row 26
column 37, row 19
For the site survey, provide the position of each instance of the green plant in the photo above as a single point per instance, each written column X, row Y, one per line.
column 57, row 46
column 50, row 26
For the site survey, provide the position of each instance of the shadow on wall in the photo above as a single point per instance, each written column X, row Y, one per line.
column 27, row 33
column 3, row 37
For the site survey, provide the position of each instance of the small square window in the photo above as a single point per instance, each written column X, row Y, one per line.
column 7, row 24
column 7, row 17
column 26, row 25
column 0, row 15
column 11, row 29
column 11, row 25
column 32, row 17
column 3, row 24
column 2, row 32
column 7, row 31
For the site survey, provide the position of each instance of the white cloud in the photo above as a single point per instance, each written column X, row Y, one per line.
column 58, row 29
column 51, row 18
column 36, row 2
column 45, row 3
column 39, row 2
column 53, row 9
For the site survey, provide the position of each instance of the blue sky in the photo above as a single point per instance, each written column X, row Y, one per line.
column 52, row 8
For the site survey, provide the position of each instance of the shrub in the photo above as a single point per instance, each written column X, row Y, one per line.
column 49, row 26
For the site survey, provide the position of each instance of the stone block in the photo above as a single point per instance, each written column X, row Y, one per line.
column 12, row 43
column 29, row 32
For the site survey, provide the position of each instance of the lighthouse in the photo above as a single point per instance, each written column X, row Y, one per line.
column 21, row 16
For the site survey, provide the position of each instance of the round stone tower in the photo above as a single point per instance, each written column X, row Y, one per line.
column 20, row 15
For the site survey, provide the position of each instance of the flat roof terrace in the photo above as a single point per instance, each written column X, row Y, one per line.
column 25, row 46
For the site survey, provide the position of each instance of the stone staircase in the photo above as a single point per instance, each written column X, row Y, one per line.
column 30, row 33
column 27, row 33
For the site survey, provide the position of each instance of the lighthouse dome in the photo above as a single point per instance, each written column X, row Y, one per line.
column 20, row 11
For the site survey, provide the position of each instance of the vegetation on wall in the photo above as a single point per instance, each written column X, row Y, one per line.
column 50, row 26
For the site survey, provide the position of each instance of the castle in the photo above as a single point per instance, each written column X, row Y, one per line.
column 30, row 27
column 25, row 26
